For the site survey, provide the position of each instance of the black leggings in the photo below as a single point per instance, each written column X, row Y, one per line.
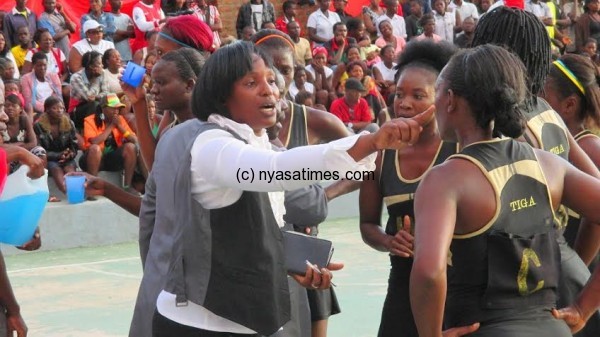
column 164, row 327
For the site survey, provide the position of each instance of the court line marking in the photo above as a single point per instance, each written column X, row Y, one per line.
column 17, row 271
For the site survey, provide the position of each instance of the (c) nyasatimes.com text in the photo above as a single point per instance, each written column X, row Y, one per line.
column 249, row 175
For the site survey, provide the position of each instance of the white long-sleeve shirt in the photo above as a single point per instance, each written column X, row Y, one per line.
column 140, row 19
column 214, row 185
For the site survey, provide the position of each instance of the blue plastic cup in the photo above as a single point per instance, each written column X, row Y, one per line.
column 75, row 189
column 133, row 74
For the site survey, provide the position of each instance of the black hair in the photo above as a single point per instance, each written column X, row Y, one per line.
column 106, row 56
column 40, row 55
column 427, row 54
column 88, row 58
column 590, row 40
column 353, row 24
column 37, row 36
column 587, row 74
column 273, row 42
column 337, row 24
column 6, row 48
column 359, row 63
column 384, row 48
column 282, row 42
column 288, row 4
column 522, row 33
column 214, row 86
column 51, row 101
column 493, row 82
column 302, row 96
column 188, row 62
column 426, row 17
column 4, row 63
column 14, row 99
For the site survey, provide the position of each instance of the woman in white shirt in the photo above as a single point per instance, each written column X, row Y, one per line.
column 94, row 32
column 111, row 60
column 243, row 103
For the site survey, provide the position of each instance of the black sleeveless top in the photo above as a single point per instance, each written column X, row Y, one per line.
column 548, row 128
column 398, row 193
column 298, row 129
column 574, row 218
column 513, row 262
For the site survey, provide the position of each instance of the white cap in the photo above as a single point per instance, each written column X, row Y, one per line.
column 91, row 24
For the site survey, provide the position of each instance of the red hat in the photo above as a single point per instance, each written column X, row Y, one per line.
column 319, row 50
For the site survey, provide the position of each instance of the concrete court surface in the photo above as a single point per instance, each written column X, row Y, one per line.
column 90, row 292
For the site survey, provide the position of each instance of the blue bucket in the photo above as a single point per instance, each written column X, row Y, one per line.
column 21, row 206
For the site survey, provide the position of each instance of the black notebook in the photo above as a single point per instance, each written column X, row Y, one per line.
column 300, row 248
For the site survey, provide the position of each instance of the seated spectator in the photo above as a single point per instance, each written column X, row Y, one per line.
column 305, row 98
column 211, row 16
column 109, row 143
column 58, row 23
column 13, row 86
column 149, row 63
column 57, row 62
column 140, row 55
column 340, row 73
column 19, row 128
column 302, row 46
column 357, row 30
column 358, row 70
column 352, row 109
column 7, row 70
column 319, row 74
column 5, row 53
column 253, row 13
column 93, row 42
column 123, row 30
column 337, row 47
column 111, row 61
column 463, row 40
column 20, row 50
column 153, row 118
column 300, row 84
column 384, row 72
column 40, row 84
column 57, row 135
column 428, row 23
column 388, row 38
column 87, row 88
column 590, row 49
column 96, row 13
column 289, row 15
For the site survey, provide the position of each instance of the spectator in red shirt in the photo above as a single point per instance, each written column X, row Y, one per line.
column 353, row 110
column 289, row 15
column 337, row 48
